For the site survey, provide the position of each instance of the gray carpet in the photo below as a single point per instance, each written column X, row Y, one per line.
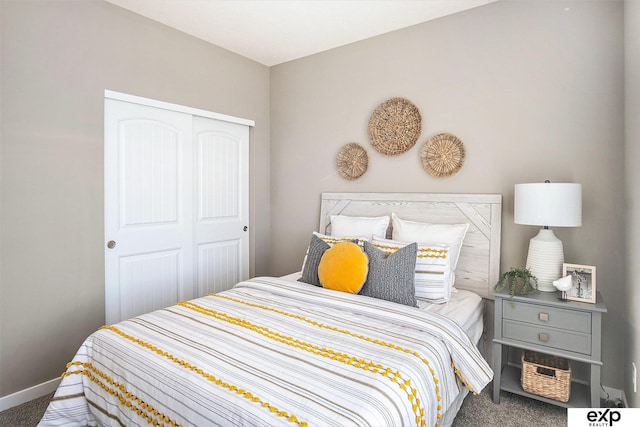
column 513, row 411
column 25, row 415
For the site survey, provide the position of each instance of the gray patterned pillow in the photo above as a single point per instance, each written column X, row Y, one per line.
column 317, row 248
column 391, row 277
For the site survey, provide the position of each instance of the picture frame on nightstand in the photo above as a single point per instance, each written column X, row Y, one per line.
column 583, row 282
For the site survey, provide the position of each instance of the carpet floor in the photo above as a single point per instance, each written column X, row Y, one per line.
column 513, row 411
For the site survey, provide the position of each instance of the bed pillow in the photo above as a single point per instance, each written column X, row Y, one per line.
column 342, row 226
column 317, row 246
column 433, row 276
column 391, row 276
column 425, row 233
column 343, row 268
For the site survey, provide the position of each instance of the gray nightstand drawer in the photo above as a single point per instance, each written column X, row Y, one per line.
column 551, row 317
column 565, row 340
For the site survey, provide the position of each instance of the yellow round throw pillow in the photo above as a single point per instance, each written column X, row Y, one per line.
column 343, row 267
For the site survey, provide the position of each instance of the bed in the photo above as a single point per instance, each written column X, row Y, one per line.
column 279, row 351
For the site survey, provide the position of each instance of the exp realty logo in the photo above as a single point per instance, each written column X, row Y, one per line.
column 603, row 417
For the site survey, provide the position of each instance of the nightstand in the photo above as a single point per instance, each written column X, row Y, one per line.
column 543, row 323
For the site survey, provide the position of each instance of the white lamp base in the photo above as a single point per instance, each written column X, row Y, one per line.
column 545, row 259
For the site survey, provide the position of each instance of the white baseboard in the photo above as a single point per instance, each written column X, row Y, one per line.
column 23, row 396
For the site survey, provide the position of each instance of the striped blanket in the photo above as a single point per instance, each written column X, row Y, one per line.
column 270, row 352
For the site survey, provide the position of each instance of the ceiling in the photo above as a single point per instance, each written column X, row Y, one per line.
column 275, row 31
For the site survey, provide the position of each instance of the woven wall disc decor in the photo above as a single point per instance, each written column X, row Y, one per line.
column 442, row 155
column 352, row 161
column 395, row 126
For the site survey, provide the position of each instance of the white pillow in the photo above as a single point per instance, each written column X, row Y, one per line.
column 344, row 226
column 433, row 278
column 429, row 234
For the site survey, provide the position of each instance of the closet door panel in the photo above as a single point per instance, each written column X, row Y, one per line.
column 218, row 173
column 149, row 281
column 222, row 205
column 148, row 209
column 150, row 158
column 218, row 265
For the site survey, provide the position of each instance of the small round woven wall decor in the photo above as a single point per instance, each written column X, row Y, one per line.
column 442, row 155
column 352, row 161
column 395, row 126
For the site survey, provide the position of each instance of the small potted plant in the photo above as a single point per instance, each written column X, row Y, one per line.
column 517, row 281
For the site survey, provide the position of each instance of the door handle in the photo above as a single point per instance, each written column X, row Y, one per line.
column 111, row 244
column 245, row 228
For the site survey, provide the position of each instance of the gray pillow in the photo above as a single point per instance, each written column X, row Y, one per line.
column 317, row 248
column 391, row 276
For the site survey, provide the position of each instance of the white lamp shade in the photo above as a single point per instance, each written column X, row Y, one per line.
column 548, row 204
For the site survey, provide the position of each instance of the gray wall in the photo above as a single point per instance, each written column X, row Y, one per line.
column 533, row 90
column 57, row 60
column 632, row 157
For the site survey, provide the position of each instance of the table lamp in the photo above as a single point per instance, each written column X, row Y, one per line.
column 547, row 205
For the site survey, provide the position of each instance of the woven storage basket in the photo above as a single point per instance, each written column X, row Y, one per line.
column 547, row 376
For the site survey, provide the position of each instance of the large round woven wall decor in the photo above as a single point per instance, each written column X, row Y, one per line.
column 352, row 161
column 395, row 126
column 442, row 155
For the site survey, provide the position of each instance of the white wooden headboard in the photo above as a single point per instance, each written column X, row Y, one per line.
column 478, row 267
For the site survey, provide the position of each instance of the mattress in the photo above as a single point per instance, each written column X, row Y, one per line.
column 465, row 308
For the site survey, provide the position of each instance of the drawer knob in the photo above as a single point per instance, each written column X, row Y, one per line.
column 543, row 336
column 544, row 317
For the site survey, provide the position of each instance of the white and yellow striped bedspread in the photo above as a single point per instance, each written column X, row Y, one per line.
column 270, row 352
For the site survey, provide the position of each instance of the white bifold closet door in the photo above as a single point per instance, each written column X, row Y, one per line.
column 176, row 206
